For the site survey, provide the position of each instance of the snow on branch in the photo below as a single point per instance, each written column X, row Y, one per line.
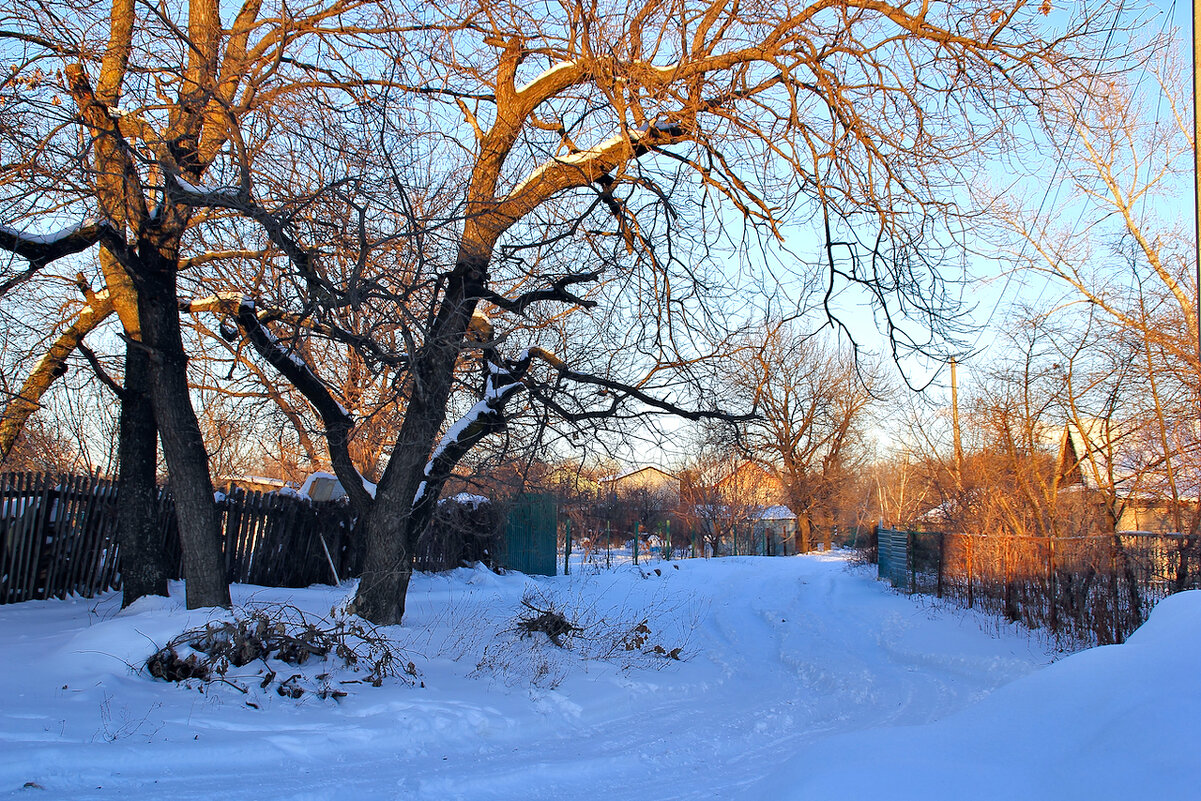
column 228, row 193
column 240, row 200
column 587, row 166
column 502, row 384
column 337, row 420
column 42, row 249
column 227, row 303
column 485, row 417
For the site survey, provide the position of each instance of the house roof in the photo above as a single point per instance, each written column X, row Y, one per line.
column 635, row 471
column 774, row 513
column 738, row 471
column 1096, row 453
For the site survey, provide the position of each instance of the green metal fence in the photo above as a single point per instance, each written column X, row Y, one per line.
column 531, row 535
column 1084, row 590
column 895, row 558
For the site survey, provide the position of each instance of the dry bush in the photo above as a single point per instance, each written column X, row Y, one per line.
column 548, row 621
column 550, row 636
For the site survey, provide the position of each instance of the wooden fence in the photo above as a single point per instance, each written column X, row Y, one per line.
column 1083, row 590
column 58, row 538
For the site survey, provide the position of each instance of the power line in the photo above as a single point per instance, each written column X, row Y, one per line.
column 1063, row 153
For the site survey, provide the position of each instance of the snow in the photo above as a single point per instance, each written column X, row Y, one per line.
column 546, row 74
column 329, row 488
column 774, row 513
column 212, row 191
column 284, row 352
column 662, row 126
column 47, row 239
column 496, row 394
column 799, row 679
column 467, row 499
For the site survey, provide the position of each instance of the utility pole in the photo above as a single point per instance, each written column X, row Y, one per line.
column 1197, row 173
column 955, row 423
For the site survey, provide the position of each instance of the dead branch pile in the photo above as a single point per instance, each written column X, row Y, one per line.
column 283, row 634
column 549, row 621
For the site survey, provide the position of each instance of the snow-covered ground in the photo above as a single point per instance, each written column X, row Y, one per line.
column 799, row 679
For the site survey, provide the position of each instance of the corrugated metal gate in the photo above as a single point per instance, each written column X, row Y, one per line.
column 531, row 535
column 895, row 558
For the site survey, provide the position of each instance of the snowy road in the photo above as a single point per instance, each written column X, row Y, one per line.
column 789, row 652
column 779, row 654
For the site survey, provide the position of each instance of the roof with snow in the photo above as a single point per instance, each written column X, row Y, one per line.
column 467, row 499
column 773, row 513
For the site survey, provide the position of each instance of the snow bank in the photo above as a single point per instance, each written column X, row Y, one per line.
column 1120, row 721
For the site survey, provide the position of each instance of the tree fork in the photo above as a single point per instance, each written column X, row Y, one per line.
column 396, row 519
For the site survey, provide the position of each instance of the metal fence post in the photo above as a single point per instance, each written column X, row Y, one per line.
column 909, row 562
column 567, row 547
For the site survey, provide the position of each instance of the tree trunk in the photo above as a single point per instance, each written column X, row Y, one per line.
column 397, row 517
column 142, row 568
column 183, row 445
column 387, row 567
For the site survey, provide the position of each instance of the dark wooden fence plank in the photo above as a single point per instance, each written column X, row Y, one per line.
column 100, row 538
column 40, row 522
column 17, row 543
column 81, row 540
column 62, row 551
column 26, row 527
column 85, row 552
column 11, row 542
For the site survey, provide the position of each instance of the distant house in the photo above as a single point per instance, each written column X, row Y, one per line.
column 323, row 486
column 750, row 484
column 747, row 501
column 773, row 530
column 660, row 488
column 1124, row 467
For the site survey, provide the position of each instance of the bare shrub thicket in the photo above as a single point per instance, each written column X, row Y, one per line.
column 1080, row 591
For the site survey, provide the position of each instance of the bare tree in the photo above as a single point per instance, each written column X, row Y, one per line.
column 575, row 132
column 107, row 109
column 1126, row 263
column 579, row 155
column 811, row 399
column 723, row 492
